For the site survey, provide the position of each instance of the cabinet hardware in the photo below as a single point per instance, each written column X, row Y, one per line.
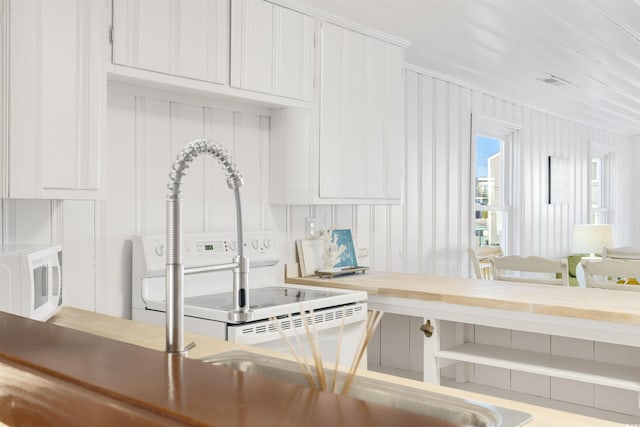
column 427, row 328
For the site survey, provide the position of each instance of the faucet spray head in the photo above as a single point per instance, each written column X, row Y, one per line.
column 193, row 150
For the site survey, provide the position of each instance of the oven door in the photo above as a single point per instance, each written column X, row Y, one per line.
column 45, row 283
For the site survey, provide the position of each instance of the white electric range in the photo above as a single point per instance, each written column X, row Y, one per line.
column 208, row 297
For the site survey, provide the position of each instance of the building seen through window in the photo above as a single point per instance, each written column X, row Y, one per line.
column 599, row 188
column 489, row 191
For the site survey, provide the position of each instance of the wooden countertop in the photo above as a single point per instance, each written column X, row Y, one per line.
column 584, row 303
column 152, row 337
column 142, row 386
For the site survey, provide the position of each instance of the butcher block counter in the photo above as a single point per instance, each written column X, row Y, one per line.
column 114, row 372
column 447, row 304
column 579, row 303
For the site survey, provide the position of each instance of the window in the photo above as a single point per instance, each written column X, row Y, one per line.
column 600, row 187
column 489, row 191
column 493, row 147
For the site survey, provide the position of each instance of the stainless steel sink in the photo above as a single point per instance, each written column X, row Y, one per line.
column 452, row 409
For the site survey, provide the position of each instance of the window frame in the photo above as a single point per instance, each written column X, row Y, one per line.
column 603, row 209
column 508, row 134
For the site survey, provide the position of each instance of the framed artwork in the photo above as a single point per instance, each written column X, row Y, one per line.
column 333, row 252
column 348, row 256
column 559, row 180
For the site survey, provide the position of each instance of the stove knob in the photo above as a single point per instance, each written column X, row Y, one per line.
column 255, row 244
column 160, row 250
column 267, row 243
column 233, row 245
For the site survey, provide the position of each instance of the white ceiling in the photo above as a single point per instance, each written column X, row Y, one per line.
column 504, row 46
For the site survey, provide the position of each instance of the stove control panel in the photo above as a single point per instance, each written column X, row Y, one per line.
column 203, row 249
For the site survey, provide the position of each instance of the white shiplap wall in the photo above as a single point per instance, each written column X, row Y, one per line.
column 147, row 129
column 432, row 230
column 428, row 234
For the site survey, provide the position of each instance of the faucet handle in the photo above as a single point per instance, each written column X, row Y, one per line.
column 189, row 347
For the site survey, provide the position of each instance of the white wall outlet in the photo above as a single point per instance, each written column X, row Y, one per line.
column 310, row 227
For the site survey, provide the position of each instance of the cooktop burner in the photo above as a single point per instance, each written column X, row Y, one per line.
column 258, row 298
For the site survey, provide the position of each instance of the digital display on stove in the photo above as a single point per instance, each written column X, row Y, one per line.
column 208, row 247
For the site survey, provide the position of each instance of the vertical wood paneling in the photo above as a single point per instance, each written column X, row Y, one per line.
column 465, row 185
column 395, row 238
column 186, row 125
column 441, row 154
column 266, row 219
column 145, row 136
column 454, row 214
column 30, row 222
column 411, row 225
column 343, row 216
column 219, row 210
column 117, row 220
column 363, row 231
column 427, row 175
column 379, row 250
column 248, row 136
column 153, row 134
column 78, row 245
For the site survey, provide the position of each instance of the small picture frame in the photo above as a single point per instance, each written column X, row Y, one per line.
column 333, row 254
column 559, row 180
column 348, row 257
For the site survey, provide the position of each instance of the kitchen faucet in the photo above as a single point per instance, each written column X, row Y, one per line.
column 175, row 270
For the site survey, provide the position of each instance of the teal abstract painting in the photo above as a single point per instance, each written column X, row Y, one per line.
column 348, row 256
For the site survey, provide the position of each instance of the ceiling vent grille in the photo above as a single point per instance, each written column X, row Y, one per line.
column 553, row 80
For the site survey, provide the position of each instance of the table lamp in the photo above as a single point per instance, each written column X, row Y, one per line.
column 591, row 238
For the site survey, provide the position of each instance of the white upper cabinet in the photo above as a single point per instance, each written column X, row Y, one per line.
column 54, row 90
column 272, row 49
column 351, row 149
column 185, row 38
column 361, row 116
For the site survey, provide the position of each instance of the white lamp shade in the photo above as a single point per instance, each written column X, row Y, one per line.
column 591, row 238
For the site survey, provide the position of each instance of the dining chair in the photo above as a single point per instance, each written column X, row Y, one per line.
column 480, row 259
column 612, row 274
column 626, row 252
column 531, row 269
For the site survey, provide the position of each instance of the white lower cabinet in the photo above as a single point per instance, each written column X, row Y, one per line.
column 54, row 98
column 351, row 148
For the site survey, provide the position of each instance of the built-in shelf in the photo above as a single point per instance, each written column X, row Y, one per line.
column 607, row 374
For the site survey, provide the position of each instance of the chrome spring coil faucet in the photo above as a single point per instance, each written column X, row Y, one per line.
column 174, row 268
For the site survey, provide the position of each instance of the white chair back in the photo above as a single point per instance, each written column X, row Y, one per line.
column 480, row 259
column 607, row 273
column 532, row 269
column 626, row 252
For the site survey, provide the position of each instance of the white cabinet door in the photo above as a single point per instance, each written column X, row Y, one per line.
column 361, row 111
column 186, row 38
column 272, row 49
column 351, row 150
column 55, row 91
